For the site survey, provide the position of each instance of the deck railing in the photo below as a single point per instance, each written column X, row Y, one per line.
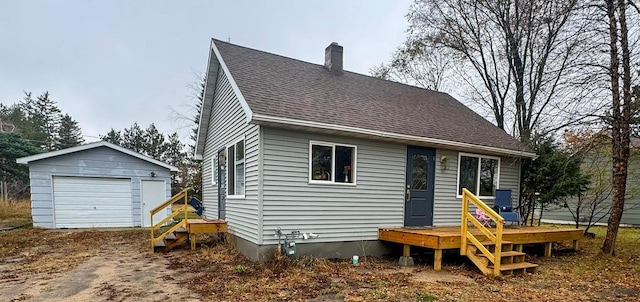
column 183, row 210
column 468, row 197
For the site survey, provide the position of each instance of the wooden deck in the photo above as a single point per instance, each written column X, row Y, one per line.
column 201, row 226
column 442, row 238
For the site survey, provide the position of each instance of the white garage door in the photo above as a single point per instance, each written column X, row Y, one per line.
column 85, row 202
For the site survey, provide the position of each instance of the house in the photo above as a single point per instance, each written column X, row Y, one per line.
column 298, row 146
column 96, row 185
column 594, row 204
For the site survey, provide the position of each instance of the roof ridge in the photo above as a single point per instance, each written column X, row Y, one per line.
column 344, row 71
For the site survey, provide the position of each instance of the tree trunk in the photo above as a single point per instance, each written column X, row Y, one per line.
column 621, row 114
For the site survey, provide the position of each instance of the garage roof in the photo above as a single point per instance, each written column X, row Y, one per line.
column 28, row 159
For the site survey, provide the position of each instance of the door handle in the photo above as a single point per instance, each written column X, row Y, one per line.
column 408, row 195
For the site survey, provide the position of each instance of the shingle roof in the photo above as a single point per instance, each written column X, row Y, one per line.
column 278, row 86
column 98, row 144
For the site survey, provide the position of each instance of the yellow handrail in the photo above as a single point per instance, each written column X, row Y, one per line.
column 183, row 209
column 468, row 236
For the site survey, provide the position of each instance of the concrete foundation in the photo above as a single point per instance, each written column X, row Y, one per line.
column 406, row 261
column 340, row 250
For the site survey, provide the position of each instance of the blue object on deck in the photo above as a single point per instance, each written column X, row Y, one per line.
column 197, row 205
column 502, row 205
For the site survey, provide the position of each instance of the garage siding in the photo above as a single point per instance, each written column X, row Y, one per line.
column 97, row 162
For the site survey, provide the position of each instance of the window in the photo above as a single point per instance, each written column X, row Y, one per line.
column 332, row 163
column 235, row 162
column 478, row 174
column 214, row 170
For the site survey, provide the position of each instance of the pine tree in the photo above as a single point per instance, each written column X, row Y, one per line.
column 134, row 139
column 44, row 114
column 13, row 146
column 69, row 133
column 113, row 136
column 154, row 142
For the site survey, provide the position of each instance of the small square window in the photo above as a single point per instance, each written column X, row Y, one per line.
column 332, row 163
column 478, row 174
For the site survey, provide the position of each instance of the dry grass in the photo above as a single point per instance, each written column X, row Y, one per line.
column 15, row 213
column 224, row 275
column 217, row 272
column 40, row 251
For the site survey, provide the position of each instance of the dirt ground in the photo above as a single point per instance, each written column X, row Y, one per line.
column 116, row 268
column 38, row 265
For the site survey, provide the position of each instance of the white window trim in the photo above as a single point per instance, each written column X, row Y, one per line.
column 332, row 182
column 480, row 157
column 236, row 196
column 214, row 169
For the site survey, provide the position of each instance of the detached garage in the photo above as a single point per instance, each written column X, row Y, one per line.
column 96, row 185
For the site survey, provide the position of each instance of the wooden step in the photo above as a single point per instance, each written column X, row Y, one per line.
column 181, row 230
column 159, row 244
column 515, row 266
column 489, row 243
column 505, row 254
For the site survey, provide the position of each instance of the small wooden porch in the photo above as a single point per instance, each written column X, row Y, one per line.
column 444, row 238
column 181, row 225
column 494, row 250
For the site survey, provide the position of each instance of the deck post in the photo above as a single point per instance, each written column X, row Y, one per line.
column 192, row 240
column 406, row 259
column 575, row 245
column 547, row 249
column 518, row 248
column 437, row 260
column 406, row 250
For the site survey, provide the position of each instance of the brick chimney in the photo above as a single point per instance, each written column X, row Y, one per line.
column 333, row 58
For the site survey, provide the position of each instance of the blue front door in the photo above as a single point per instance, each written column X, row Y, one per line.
column 418, row 206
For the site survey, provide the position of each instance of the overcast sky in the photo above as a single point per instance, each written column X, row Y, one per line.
column 112, row 63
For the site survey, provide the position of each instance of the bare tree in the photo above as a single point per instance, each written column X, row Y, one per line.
column 419, row 65
column 621, row 97
column 522, row 59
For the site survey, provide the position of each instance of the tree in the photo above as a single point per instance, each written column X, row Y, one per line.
column 424, row 66
column 550, row 178
column 621, row 97
column 594, row 204
column 69, row 133
column 12, row 146
column 522, row 60
column 43, row 113
column 113, row 136
column 154, row 141
column 134, row 139
column 175, row 155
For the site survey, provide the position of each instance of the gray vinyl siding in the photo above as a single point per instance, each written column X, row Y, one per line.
column 334, row 212
column 97, row 162
column 447, row 206
column 631, row 215
column 227, row 124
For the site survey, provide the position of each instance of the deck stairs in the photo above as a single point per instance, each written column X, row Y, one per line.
column 493, row 256
column 511, row 261
column 181, row 225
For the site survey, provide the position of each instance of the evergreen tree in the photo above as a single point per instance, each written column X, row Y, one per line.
column 12, row 146
column 555, row 174
column 44, row 114
column 113, row 136
column 154, row 142
column 134, row 139
column 69, row 133
column 175, row 155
